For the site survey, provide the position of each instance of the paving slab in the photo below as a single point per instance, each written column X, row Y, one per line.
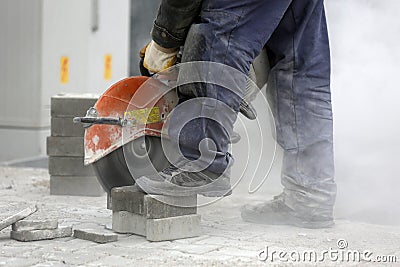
column 29, row 225
column 157, row 207
column 64, row 126
column 70, row 105
column 127, row 198
column 125, row 222
column 65, row 146
column 75, row 186
column 173, row 228
column 10, row 214
column 131, row 199
column 69, row 166
column 97, row 236
column 36, row 235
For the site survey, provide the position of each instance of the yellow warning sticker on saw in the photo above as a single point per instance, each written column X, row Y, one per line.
column 144, row 116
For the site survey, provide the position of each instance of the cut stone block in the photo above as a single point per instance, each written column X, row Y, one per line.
column 125, row 222
column 95, row 235
column 69, row 166
column 75, row 186
column 66, row 127
column 129, row 198
column 10, row 214
column 72, row 105
column 109, row 202
column 173, row 228
column 29, row 225
column 37, row 235
column 156, row 207
column 65, row 146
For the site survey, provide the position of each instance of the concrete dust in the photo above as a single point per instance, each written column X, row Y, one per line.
column 225, row 241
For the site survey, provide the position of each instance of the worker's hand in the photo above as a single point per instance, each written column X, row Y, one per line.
column 157, row 58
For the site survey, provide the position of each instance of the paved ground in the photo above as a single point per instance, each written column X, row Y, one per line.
column 226, row 240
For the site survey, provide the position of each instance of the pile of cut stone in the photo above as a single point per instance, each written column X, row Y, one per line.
column 24, row 229
column 156, row 217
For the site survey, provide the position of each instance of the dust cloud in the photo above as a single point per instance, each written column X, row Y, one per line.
column 365, row 44
column 365, row 36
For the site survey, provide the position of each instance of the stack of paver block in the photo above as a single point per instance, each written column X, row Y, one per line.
column 25, row 229
column 35, row 230
column 158, row 218
column 68, row 175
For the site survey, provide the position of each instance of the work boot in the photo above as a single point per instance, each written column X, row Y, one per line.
column 276, row 212
column 173, row 181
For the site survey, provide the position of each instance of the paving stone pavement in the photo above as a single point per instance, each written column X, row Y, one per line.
column 225, row 241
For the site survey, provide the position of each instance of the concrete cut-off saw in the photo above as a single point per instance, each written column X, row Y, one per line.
column 123, row 130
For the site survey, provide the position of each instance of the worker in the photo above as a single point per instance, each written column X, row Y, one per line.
column 233, row 33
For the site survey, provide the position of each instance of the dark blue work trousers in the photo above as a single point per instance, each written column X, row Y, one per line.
column 294, row 32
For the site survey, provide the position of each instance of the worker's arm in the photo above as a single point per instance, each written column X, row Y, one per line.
column 169, row 32
column 173, row 21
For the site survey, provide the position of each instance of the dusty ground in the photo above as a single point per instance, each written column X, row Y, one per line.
column 226, row 240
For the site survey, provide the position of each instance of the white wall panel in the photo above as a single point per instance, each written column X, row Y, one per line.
column 20, row 61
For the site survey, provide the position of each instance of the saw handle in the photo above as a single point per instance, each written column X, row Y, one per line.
column 143, row 70
column 89, row 121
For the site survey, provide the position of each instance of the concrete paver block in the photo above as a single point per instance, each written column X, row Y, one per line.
column 69, row 166
column 75, row 186
column 109, row 202
column 95, row 235
column 156, row 207
column 70, row 105
column 29, row 225
column 65, row 146
column 36, row 235
column 125, row 222
column 173, row 228
column 66, row 127
column 129, row 198
column 10, row 214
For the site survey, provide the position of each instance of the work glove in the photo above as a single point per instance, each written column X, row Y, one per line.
column 157, row 58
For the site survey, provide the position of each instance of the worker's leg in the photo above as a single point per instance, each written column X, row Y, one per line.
column 230, row 32
column 299, row 93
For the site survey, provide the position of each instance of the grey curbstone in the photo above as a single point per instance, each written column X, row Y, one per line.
column 66, row 127
column 156, row 208
column 69, row 166
column 75, row 186
column 36, row 235
column 109, row 202
column 95, row 236
column 30, row 225
column 125, row 222
column 65, row 146
column 70, row 105
column 11, row 214
column 173, row 228
column 129, row 198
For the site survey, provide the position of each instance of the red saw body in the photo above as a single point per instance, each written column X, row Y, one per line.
column 144, row 112
column 126, row 124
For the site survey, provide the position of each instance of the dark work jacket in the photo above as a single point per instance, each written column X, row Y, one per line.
column 173, row 21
